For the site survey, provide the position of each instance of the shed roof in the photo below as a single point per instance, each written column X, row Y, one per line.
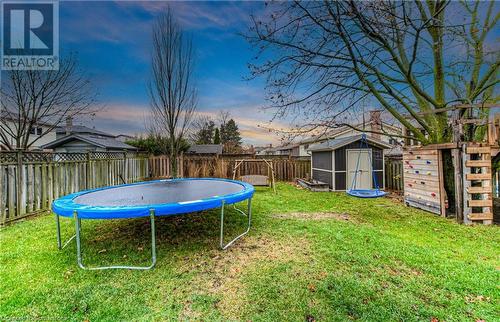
column 334, row 144
column 100, row 141
column 206, row 149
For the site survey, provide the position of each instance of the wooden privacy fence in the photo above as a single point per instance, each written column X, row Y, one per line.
column 29, row 181
column 191, row 166
column 394, row 174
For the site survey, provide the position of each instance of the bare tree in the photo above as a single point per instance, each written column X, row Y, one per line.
column 418, row 60
column 202, row 130
column 172, row 92
column 31, row 98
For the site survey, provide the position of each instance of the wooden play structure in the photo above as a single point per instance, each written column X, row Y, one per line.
column 478, row 202
column 423, row 179
column 257, row 179
column 424, row 185
column 468, row 184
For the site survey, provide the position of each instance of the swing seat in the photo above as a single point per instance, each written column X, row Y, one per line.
column 366, row 193
column 255, row 180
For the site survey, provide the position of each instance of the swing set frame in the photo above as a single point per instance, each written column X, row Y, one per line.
column 270, row 171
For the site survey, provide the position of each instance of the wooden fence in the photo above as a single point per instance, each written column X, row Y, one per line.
column 190, row 166
column 394, row 174
column 29, row 182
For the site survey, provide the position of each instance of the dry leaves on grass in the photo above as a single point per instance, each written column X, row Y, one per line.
column 221, row 275
column 317, row 216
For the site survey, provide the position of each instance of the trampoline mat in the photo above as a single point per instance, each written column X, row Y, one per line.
column 159, row 192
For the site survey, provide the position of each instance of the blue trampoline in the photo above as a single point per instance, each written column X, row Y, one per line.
column 150, row 199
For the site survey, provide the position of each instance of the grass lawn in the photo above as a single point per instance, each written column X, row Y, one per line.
column 309, row 256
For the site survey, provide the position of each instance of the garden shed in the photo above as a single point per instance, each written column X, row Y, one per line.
column 335, row 162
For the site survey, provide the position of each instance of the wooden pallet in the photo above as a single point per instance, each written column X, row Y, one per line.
column 472, row 190
column 478, row 150
column 480, row 216
column 477, row 184
column 478, row 163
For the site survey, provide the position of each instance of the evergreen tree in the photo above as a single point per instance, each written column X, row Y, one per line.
column 230, row 136
column 217, row 136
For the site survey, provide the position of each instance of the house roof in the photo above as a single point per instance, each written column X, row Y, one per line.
column 100, row 141
column 334, row 144
column 285, row 147
column 345, row 128
column 80, row 129
column 125, row 136
column 206, row 149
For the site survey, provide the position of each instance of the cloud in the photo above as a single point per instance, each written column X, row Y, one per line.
column 101, row 22
column 200, row 15
column 254, row 127
column 131, row 119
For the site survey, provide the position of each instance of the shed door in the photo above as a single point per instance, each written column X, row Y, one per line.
column 364, row 177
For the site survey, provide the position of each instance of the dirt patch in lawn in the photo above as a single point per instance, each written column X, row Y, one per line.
column 222, row 274
column 317, row 216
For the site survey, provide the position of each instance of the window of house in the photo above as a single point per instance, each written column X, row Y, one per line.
column 36, row 131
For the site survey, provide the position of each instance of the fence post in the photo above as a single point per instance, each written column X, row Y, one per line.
column 19, row 184
column 87, row 172
column 125, row 167
column 180, row 168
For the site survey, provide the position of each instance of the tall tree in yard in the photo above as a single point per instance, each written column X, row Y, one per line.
column 171, row 88
column 230, row 137
column 418, row 60
column 32, row 98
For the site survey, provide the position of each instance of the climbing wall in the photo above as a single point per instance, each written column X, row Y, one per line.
column 423, row 180
column 478, row 203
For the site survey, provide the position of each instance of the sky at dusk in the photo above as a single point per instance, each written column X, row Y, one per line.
column 113, row 42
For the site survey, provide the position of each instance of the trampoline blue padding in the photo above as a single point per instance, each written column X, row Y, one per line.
column 165, row 197
column 366, row 193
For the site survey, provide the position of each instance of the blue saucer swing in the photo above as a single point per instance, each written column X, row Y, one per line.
column 365, row 193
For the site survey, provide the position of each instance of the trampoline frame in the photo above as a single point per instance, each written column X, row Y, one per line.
column 78, row 232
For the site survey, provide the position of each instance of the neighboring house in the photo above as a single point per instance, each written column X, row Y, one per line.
column 88, row 143
column 374, row 125
column 63, row 131
column 125, row 137
column 336, row 162
column 36, row 133
column 285, row 150
column 264, row 150
column 260, row 150
column 78, row 138
column 214, row 149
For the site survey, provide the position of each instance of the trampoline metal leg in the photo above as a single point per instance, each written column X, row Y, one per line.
column 79, row 247
column 58, row 228
column 249, row 216
column 59, row 242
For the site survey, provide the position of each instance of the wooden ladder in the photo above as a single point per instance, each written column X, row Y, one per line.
column 477, row 184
